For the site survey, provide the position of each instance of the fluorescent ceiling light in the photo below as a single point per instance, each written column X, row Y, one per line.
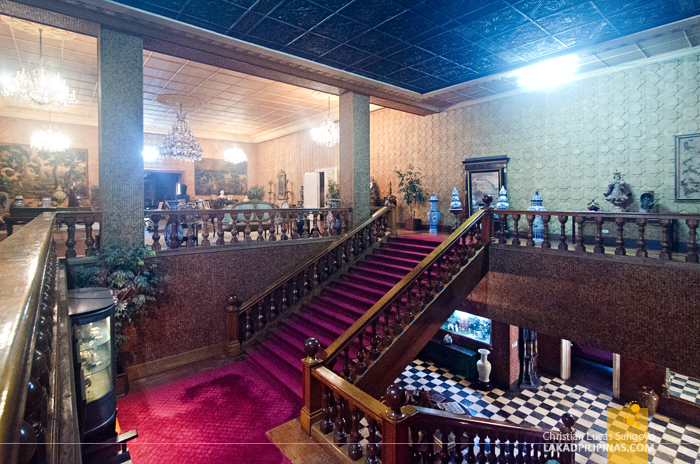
column 548, row 73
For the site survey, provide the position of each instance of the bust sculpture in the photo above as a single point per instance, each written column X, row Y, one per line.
column 618, row 193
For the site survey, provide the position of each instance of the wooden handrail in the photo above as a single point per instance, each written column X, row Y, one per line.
column 398, row 290
column 255, row 299
column 357, row 398
column 605, row 214
column 26, row 286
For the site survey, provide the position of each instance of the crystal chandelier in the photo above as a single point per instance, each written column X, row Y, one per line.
column 235, row 155
column 49, row 139
column 180, row 143
column 328, row 133
column 39, row 86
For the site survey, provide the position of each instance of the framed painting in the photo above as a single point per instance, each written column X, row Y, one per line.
column 211, row 176
column 485, row 176
column 37, row 174
column 688, row 167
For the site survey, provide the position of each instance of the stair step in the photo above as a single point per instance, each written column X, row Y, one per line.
column 368, row 291
column 329, row 327
column 380, row 285
column 389, row 277
column 334, row 306
column 417, row 241
column 304, row 331
column 291, row 357
column 392, row 253
column 295, row 341
column 426, row 250
column 284, row 374
column 339, row 320
column 352, row 294
column 389, row 268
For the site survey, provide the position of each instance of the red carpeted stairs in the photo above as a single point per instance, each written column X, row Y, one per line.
column 332, row 312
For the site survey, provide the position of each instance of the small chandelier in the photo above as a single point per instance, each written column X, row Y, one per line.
column 180, row 143
column 327, row 133
column 49, row 139
column 235, row 155
column 39, row 86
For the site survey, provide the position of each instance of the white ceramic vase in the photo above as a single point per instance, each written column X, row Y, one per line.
column 483, row 366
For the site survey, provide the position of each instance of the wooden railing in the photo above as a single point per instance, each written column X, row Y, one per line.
column 409, row 434
column 87, row 219
column 376, row 336
column 27, row 309
column 183, row 227
column 290, row 292
column 510, row 224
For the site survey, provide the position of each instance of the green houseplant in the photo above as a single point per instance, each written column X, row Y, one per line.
column 410, row 187
column 256, row 193
column 333, row 193
column 134, row 283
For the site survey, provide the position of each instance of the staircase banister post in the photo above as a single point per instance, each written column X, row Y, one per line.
column 393, row 220
column 311, row 401
column 569, row 437
column 395, row 423
column 487, row 220
column 233, row 344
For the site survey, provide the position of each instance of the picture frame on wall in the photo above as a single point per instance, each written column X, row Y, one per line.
column 484, row 176
column 688, row 167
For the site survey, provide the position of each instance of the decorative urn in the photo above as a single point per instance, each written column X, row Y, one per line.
column 455, row 204
column 433, row 214
column 502, row 199
column 59, row 195
column 483, row 366
column 538, row 225
column 19, row 202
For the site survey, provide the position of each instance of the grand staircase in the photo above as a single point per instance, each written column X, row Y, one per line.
column 337, row 307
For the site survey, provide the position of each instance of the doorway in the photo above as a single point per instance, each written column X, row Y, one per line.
column 592, row 368
column 159, row 187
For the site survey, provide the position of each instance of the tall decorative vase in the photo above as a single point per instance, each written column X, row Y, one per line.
column 433, row 215
column 649, row 399
column 59, row 195
column 537, row 225
column 483, row 367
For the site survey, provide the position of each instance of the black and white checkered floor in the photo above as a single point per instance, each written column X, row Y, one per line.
column 545, row 407
column 685, row 387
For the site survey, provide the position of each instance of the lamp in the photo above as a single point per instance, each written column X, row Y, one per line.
column 180, row 143
column 327, row 133
column 49, row 139
column 235, row 154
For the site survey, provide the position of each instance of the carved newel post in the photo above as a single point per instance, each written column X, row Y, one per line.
column 395, row 431
column 312, row 387
column 233, row 344
column 528, row 352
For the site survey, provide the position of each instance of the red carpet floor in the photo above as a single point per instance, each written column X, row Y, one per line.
column 233, row 406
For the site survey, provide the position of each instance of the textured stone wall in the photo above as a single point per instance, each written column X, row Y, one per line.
column 566, row 141
column 295, row 154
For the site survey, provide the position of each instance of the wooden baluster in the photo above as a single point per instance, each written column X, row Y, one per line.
column 479, row 245
column 343, row 254
column 520, row 458
column 398, row 325
column 408, row 315
column 439, row 283
column 620, row 242
column 530, row 230
column 420, row 293
column 446, row 267
column 641, row 243
column 562, row 237
column 361, row 365
column 545, row 232
column 273, row 226
column 205, row 230
column 248, row 326
column 502, row 450
column 326, row 220
column 156, row 232
column 444, row 455
column 314, row 230
column 414, row 447
column 510, row 455
column 315, row 280
column 430, row 293
column 372, row 448
column 191, row 229
column 516, row 231
column 580, row 247
column 692, row 247
column 284, row 303
column 387, row 336
column 70, row 241
column 599, row 248
column 354, row 447
column 374, row 342
column 261, row 231
column 470, row 456
column 89, row 241
column 220, row 229
column 492, row 459
column 173, row 221
column 465, row 249
column 457, row 455
column 347, row 368
column 293, row 225
column 326, row 425
column 305, row 283
column 502, row 233
column 340, row 436
column 247, row 231
column 665, row 253
column 481, row 455
column 305, row 226
column 273, row 307
column 261, row 316
column 352, row 248
column 283, row 224
column 344, row 222
column 295, row 290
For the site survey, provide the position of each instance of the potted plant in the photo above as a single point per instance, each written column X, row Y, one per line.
column 134, row 283
column 333, row 194
column 410, row 186
column 256, row 193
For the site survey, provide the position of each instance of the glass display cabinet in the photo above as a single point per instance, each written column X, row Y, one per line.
column 92, row 318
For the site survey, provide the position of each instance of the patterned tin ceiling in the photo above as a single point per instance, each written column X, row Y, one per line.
column 428, row 45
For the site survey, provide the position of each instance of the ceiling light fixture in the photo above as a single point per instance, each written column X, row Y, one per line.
column 327, row 133
column 235, row 154
column 39, row 86
column 49, row 139
column 180, row 143
column 548, row 73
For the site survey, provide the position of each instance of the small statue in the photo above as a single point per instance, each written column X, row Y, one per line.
column 455, row 204
column 447, row 340
column 502, row 199
column 646, row 202
column 221, row 195
column 618, row 193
